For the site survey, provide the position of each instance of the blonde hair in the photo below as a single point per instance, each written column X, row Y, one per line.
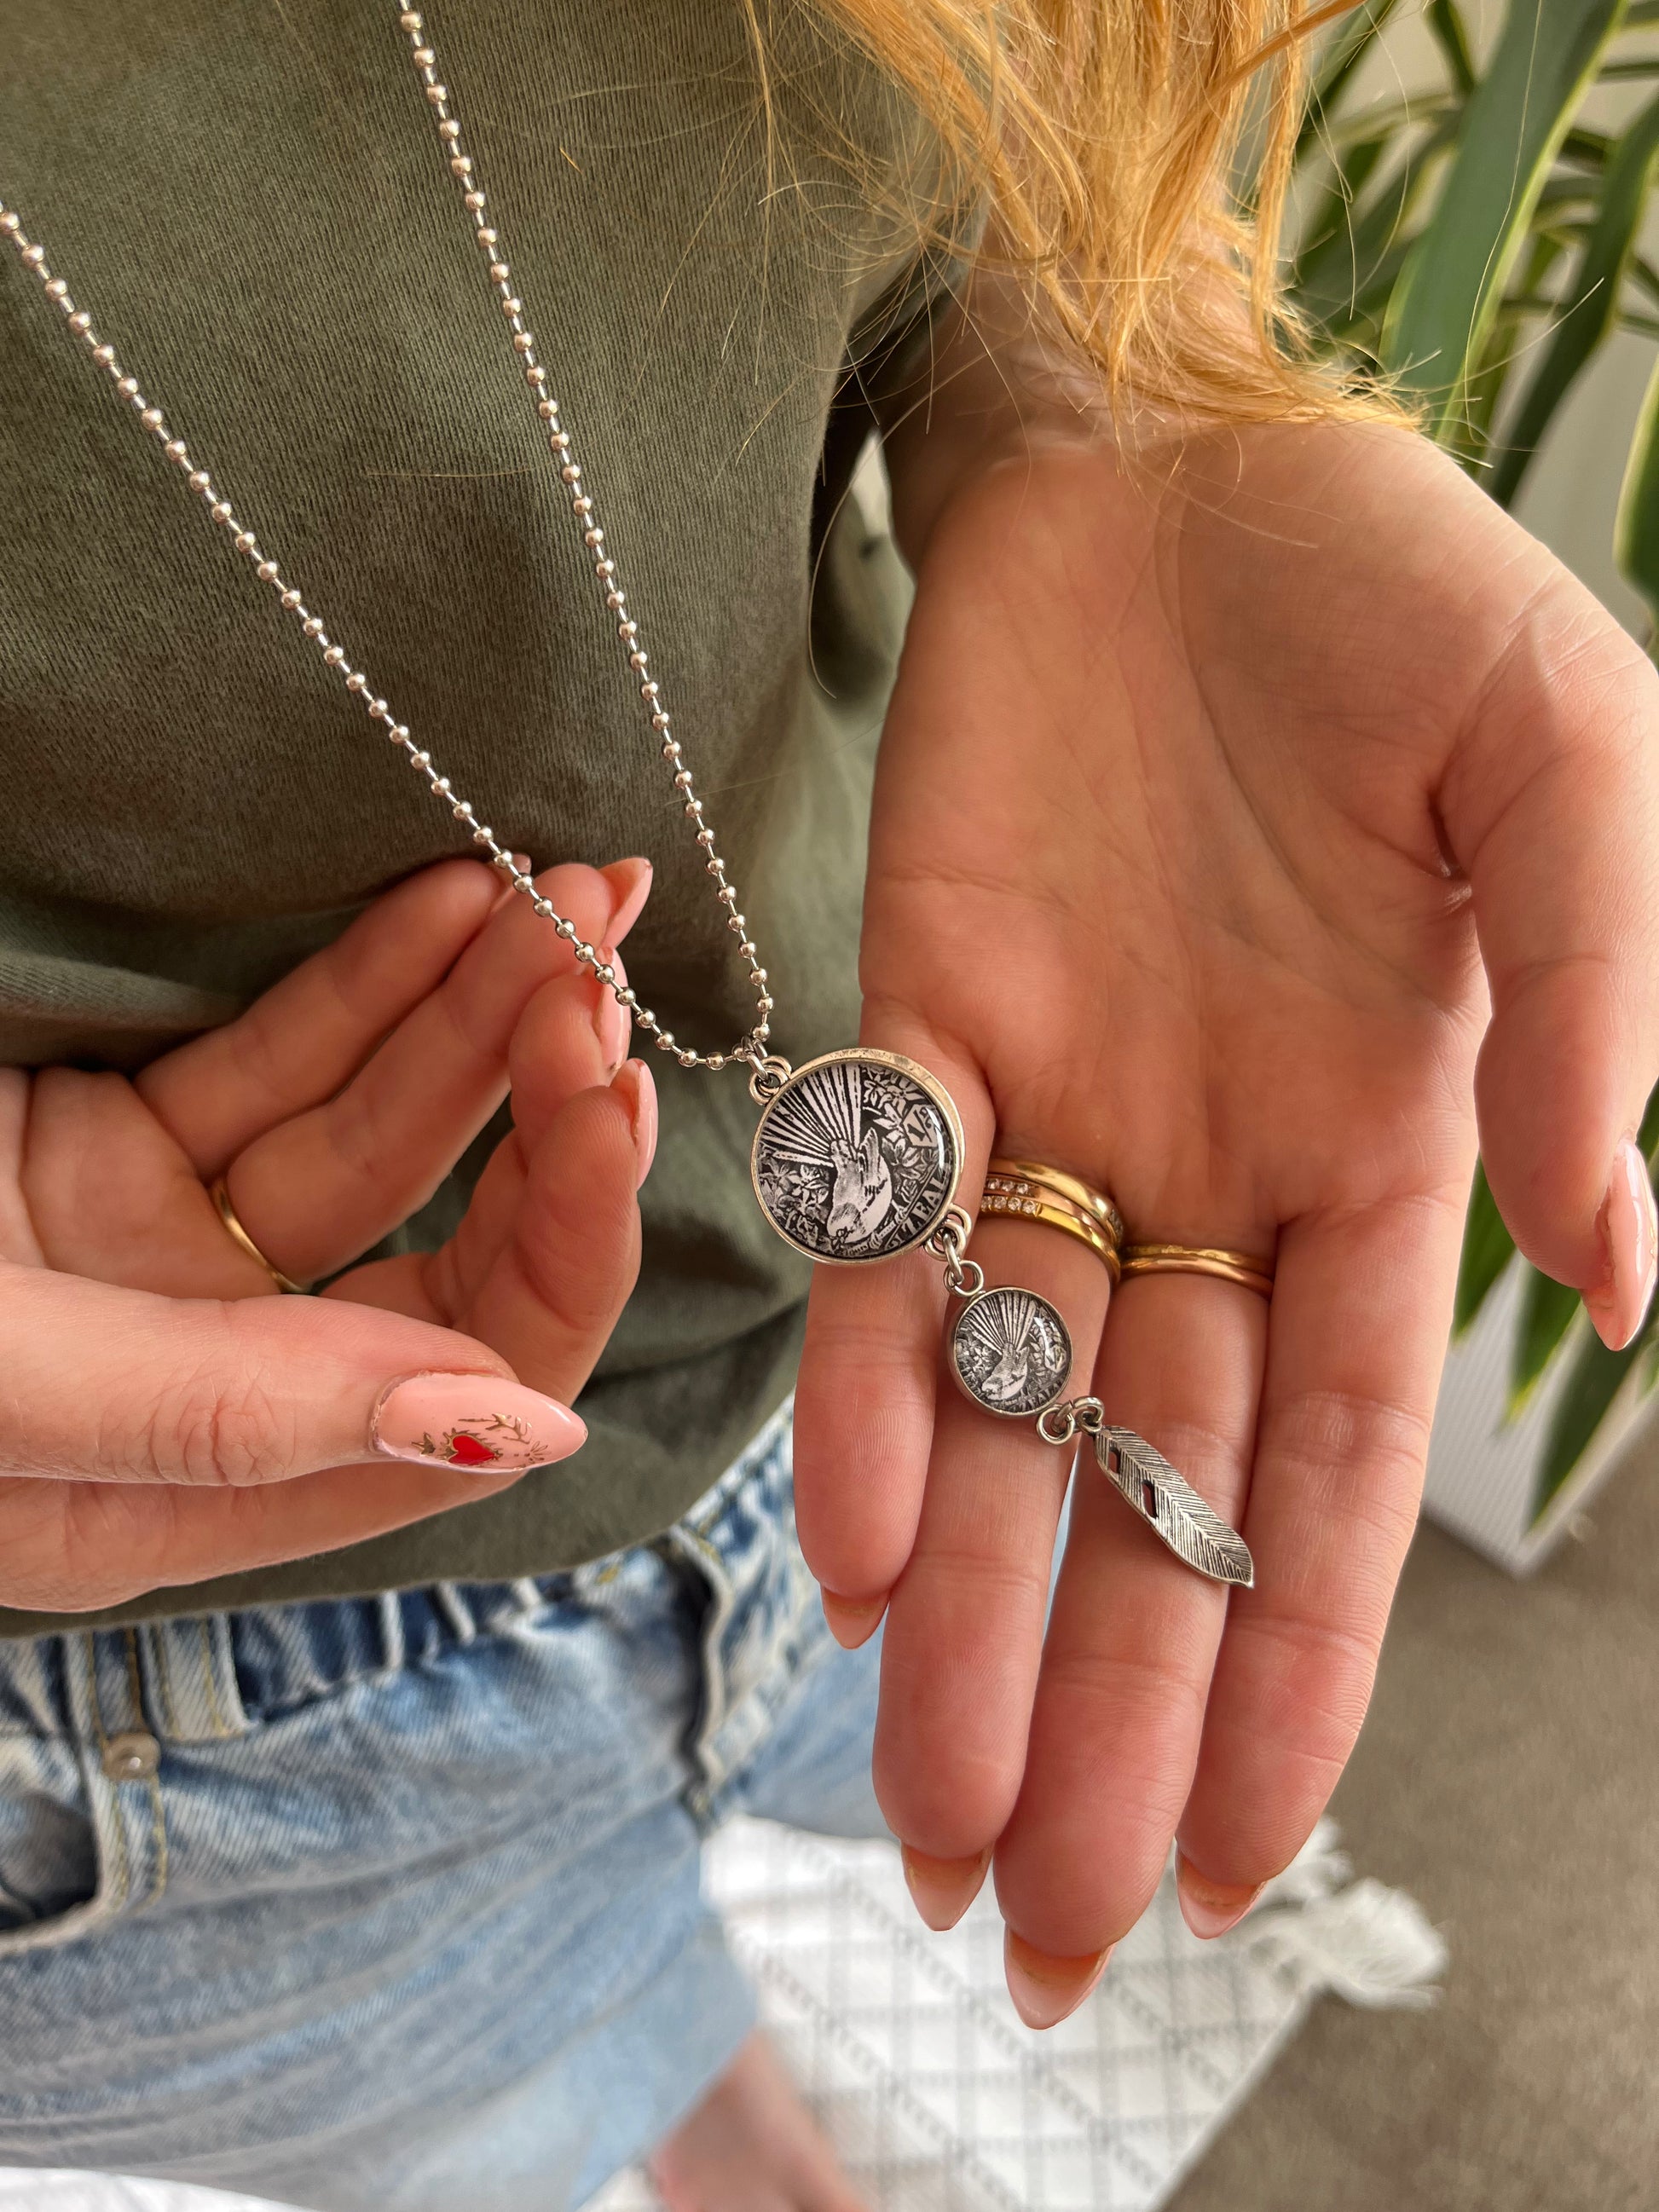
column 1135, row 156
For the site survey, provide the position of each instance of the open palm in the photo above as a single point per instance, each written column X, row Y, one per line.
column 1218, row 802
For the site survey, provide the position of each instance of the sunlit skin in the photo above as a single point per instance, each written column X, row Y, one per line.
column 1220, row 800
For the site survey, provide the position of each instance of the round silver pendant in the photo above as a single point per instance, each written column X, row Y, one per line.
column 857, row 1156
column 1011, row 1352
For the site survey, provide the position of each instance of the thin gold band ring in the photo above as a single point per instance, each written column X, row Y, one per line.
column 220, row 1197
column 1198, row 1259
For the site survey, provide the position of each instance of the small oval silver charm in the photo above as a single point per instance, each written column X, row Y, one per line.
column 1010, row 1352
column 856, row 1157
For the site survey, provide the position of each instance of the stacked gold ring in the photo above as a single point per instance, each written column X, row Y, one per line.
column 1058, row 1183
column 1198, row 1259
column 1030, row 1190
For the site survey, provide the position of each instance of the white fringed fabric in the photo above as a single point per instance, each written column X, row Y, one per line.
column 938, row 2099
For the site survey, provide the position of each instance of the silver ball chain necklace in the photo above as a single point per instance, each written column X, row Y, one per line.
column 858, row 1154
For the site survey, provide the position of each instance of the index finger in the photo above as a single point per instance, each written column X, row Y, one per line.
column 869, row 1371
column 305, row 1037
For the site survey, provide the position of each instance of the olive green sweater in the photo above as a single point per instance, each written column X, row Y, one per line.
column 246, row 197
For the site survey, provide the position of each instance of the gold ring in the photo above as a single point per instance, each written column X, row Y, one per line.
column 221, row 1197
column 1027, row 1206
column 1198, row 1259
column 1032, row 1178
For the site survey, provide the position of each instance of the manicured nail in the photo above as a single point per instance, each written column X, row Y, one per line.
column 1046, row 1990
column 476, row 1421
column 852, row 1620
column 1630, row 1235
column 1211, row 1908
column 630, row 887
column 633, row 1084
column 943, row 1889
column 610, row 1022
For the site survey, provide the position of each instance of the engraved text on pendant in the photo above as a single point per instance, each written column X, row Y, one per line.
column 1010, row 1352
column 857, row 1156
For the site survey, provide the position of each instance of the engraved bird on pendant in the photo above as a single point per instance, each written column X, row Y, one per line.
column 863, row 1194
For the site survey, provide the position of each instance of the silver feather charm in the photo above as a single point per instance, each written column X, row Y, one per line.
column 1169, row 1505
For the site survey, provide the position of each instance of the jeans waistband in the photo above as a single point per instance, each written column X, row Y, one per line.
column 209, row 1676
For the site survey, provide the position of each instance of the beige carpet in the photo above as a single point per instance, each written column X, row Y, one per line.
column 1507, row 1777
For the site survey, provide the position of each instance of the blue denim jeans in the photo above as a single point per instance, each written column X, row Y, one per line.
column 392, row 1904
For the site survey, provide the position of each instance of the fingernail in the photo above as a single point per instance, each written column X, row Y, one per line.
column 633, row 1084
column 1211, row 1908
column 1046, row 1990
column 1630, row 1235
column 852, row 1620
column 630, row 887
column 610, row 1023
column 476, row 1421
column 943, row 1889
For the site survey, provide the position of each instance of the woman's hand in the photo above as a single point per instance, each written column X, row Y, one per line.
column 165, row 1416
column 1215, row 806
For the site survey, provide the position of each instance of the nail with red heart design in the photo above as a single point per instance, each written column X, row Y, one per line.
column 479, row 1422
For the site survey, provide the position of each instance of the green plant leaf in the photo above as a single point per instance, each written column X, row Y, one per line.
column 1547, row 1311
column 1487, row 1249
column 1453, row 40
column 1347, row 48
column 1388, row 126
column 1468, row 437
column 1569, row 188
column 1594, row 290
column 1343, row 270
column 1332, row 212
column 1594, row 1382
column 1589, row 148
column 1635, row 537
column 1515, row 121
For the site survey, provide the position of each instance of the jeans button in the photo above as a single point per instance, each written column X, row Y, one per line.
column 132, row 1756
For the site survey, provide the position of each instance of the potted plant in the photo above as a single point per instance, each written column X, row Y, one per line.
column 1477, row 243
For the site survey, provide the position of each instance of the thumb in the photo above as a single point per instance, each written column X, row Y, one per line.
column 1552, row 804
column 111, row 1385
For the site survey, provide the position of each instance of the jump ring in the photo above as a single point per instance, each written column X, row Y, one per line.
column 768, row 1076
column 1087, row 1415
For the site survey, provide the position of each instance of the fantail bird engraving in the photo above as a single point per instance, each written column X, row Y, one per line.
column 863, row 1194
column 1008, row 1325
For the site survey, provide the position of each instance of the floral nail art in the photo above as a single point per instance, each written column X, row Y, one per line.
column 484, row 1443
column 480, row 1425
